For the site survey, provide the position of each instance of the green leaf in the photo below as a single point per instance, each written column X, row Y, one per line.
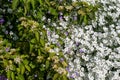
column 22, row 68
column 42, row 69
column 42, row 42
column 55, row 76
column 13, row 76
column 40, row 1
column 32, row 65
column 81, row 19
column 27, row 67
column 5, row 62
column 33, row 40
column 53, row 11
column 47, row 64
column 21, row 77
column 26, row 6
column 39, row 14
column 85, row 19
column 15, row 4
column 51, row 54
column 18, row 70
column 39, row 52
column 25, row 62
column 33, row 4
column 9, row 74
column 37, row 35
column 31, row 47
column 47, row 2
column 64, row 77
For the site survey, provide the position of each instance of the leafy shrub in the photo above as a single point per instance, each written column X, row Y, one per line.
column 24, row 52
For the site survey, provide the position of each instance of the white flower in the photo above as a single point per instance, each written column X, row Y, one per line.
column 17, row 60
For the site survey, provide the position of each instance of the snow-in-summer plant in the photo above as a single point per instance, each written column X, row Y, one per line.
column 92, row 51
column 24, row 54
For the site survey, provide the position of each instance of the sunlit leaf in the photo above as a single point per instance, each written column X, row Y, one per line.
column 64, row 77
column 37, row 35
column 18, row 70
column 47, row 64
column 85, row 19
column 15, row 4
column 25, row 62
column 51, row 54
column 21, row 77
column 9, row 74
column 22, row 68
column 13, row 76
column 55, row 77
column 33, row 3
column 53, row 11
column 42, row 42
column 27, row 67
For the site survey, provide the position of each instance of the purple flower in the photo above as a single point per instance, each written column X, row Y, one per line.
column 77, row 43
column 66, row 33
column 48, row 33
column 58, row 44
column 68, row 69
column 2, row 77
column 7, row 49
column 2, row 21
column 60, row 17
column 6, row 32
column 74, row 75
column 74, row 18
column 61, row 59
column 48, row 12
column 77, row 74
column 81, row 51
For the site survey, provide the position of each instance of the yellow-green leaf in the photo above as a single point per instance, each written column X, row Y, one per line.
column 42, row 42
column 37, row 35
column 39, row 52
column 22, row 68
column 25, row 62
column 47, row 64
column 51, row 54
column 64, row 78
column 33, row 3
column 64, row 63
column 13, row 76
column 40, row 1
column 53, row 11
column 55, row 76
column 85, row 19
column 18, row 70
column 15, row 4
column 21, row 77
column 8, row 75
column 27, row 67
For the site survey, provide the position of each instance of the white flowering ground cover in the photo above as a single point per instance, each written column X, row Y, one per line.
column 92, row 51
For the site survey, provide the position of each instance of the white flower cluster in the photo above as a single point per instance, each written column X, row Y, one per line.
column 93, row 51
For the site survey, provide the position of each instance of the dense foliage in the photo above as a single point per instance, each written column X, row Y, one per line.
column 92, row 51
column 25, row 53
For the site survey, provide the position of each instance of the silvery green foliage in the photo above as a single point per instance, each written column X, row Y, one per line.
column 93, row 51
